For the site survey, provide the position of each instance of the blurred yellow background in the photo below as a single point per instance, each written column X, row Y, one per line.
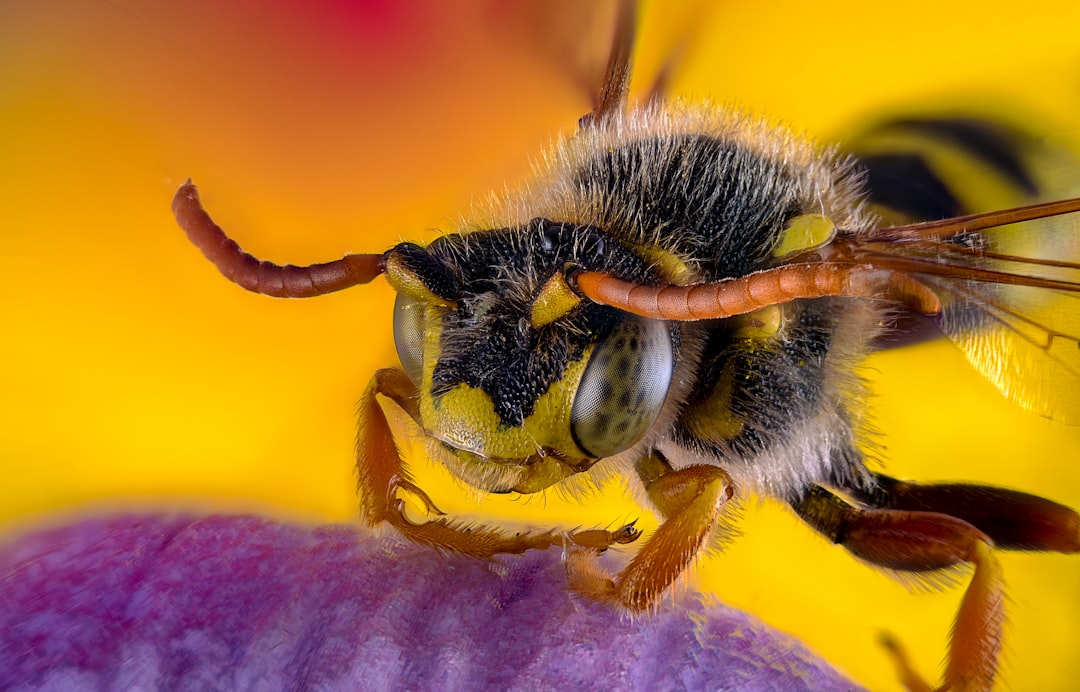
column 135, row 377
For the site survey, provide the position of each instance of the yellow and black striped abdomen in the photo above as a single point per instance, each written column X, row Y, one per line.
column 935, row 167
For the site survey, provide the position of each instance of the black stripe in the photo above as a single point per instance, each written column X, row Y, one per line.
column 905, row 183
column 992, row 143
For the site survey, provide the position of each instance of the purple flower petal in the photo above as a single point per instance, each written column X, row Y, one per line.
column 247, row 603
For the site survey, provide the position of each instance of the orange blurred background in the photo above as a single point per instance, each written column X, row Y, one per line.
column 136, row 377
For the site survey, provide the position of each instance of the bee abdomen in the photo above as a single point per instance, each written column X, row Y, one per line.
column 911, row 165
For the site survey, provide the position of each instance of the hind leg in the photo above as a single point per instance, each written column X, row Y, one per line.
column 922, row 541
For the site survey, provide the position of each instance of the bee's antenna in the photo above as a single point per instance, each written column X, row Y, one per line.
column 730, row 297
column 288, row 281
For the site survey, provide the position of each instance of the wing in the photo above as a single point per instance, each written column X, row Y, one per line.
column 1010, row 298
column 1004, row 285
column 1016, row 329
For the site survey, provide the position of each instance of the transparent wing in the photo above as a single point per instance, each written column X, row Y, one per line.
column 1011, row 301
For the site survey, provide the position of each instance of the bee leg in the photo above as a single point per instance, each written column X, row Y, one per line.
column 382, row 477
column 909, row 678
column 601, row 539
column 690, row 501
column 1014, row 520
column 919, row 541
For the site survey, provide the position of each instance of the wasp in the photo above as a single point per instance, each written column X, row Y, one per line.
column 681, row 295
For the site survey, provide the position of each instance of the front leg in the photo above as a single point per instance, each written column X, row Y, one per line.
column 382, row 477
column 690, row 501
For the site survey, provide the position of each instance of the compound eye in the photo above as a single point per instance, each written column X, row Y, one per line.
column 409, row 336
column 623, row 387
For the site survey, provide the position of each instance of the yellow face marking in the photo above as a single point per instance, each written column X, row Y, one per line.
column 408, row 283
column 554, row 300
column 529, row 477
column 465, row 418
column 805, row 233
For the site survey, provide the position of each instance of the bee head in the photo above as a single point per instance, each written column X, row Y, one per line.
column 512, row 368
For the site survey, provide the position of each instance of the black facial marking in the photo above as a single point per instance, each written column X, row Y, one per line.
column 487, row 341
column 434, row 274
column 717, row 205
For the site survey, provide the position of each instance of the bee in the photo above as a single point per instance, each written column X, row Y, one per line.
column 681, row 295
